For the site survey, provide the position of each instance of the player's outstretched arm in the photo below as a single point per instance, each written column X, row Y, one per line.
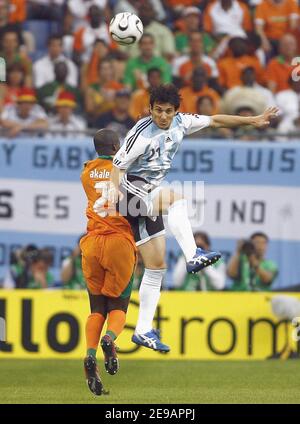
column 233, row 121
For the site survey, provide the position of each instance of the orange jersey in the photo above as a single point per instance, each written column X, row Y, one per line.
column 139, row 104
column 275, row 17
column 186, row 69
column 95, row 171
column 17, row 11
column 189, row 99
column 230, row 69
column 278, row 73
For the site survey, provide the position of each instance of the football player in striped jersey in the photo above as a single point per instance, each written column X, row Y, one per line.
column 140, row 166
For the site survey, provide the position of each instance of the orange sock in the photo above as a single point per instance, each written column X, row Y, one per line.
column 115, row 323
column 93, row 329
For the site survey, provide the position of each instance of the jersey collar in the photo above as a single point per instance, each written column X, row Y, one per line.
column 105, row 157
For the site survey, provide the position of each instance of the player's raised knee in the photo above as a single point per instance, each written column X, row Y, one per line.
column 158, row 264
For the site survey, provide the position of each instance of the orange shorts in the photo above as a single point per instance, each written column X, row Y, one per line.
column 108, row 262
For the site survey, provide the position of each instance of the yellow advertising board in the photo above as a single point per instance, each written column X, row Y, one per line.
column 225, row 326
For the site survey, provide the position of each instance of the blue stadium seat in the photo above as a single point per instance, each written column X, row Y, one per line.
column 41, row 31
column 37, row 54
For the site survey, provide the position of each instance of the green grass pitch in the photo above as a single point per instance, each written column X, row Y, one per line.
column 62, row 381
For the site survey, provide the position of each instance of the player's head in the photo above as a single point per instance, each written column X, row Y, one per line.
column 106, row 142
column 164, row 103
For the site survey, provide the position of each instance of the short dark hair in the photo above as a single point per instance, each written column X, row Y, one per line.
column 165, row 93
column 16, row 66
column 204, row 236
column 259, row 234
column 106, row 142
column 151, row 70
column 247, row 69
column 254, row 40
column 234, row 40
column 53, row 37
column 147, row 35
column 100, row 40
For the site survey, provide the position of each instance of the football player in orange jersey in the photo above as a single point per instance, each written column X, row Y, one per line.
column 108, row 262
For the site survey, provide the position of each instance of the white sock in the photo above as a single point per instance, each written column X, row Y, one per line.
column 181, row 228
column 149, row 294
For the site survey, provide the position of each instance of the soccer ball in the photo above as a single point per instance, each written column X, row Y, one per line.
column 126, row 28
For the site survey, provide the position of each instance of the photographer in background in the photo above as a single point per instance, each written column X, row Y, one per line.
column 71, row 271
column 29, row 269
column 209, row 279
column 248, row 268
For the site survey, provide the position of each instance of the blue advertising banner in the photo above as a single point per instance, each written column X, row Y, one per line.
column 248, row 187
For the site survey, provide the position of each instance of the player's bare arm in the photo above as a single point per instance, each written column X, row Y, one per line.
column 115, row 179
column 233, row 121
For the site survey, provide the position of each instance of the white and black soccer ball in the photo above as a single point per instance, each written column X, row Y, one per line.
column 126, row 28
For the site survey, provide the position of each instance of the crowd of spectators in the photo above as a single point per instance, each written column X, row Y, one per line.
column 230, row 56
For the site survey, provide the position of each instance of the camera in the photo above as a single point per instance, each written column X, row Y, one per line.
column 30, row 254
column 248, row 248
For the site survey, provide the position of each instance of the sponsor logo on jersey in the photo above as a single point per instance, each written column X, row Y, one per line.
column 96, row 173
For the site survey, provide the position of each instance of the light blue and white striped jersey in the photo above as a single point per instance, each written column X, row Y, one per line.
column 148, row 150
